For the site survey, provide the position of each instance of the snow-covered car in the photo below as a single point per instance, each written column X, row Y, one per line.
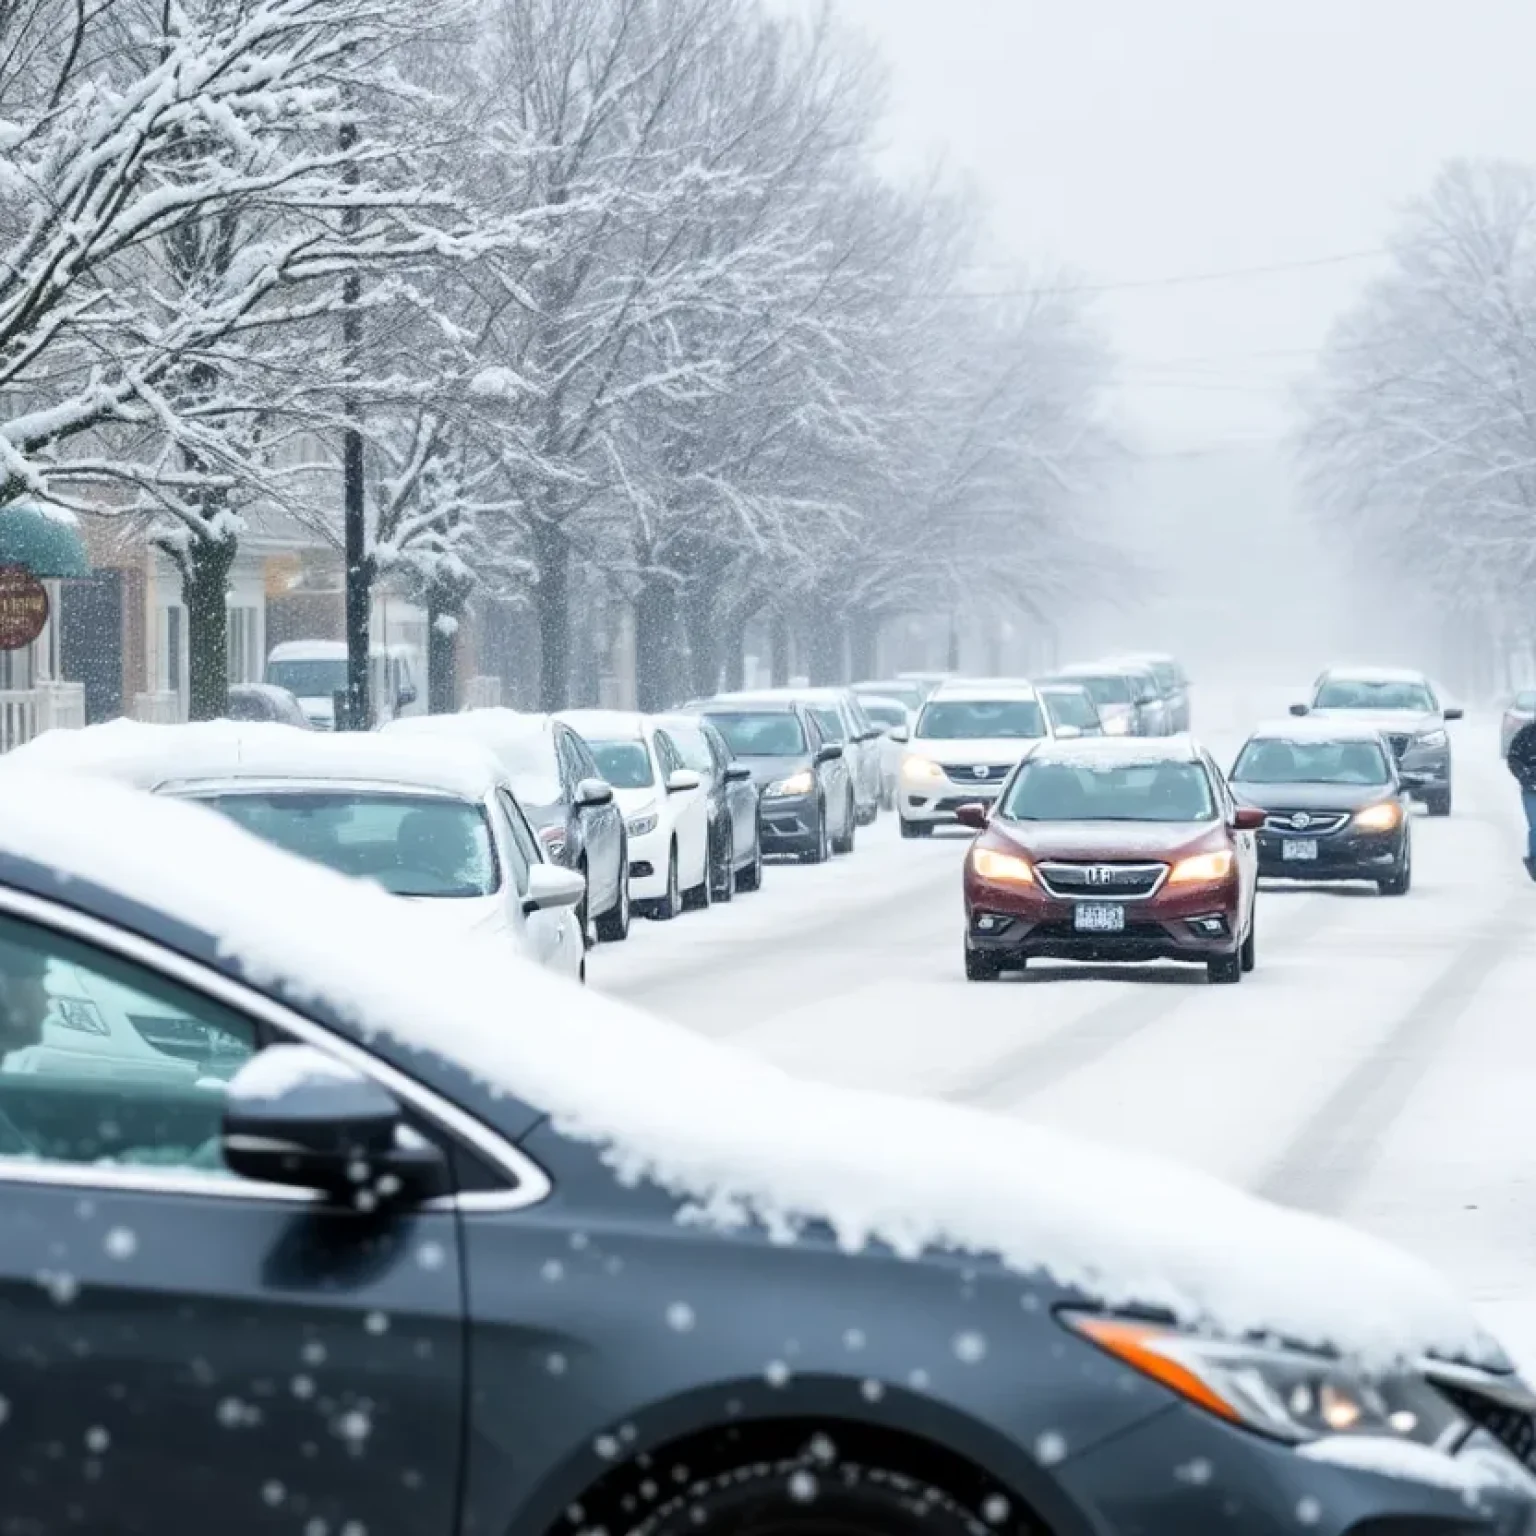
column 437, row 823
column 889, row 715
column 458, row 1247
column 734, row 802
column 562, row 791
column 969, row 737
column 666, row 811
column 315, row 671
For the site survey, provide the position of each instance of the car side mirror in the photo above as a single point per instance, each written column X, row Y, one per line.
column 594, row 792
column 682, row 780
column 1455, row 712
column 1249, row 818
column 868, row 736
column 973, row 816
column 552, row 887
column 1301, row 709
column 1068, row 732
column 899, row 733
column 830, row 753
column 737, row 773
column 295, row 1115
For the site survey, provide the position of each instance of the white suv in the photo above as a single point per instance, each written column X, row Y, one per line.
column 968, row 738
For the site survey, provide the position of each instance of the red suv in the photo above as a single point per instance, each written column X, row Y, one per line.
column 1117, row 850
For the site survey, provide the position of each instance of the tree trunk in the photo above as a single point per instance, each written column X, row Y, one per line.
column 864, row 646
column 657, row 673
column 205, row 569
column 442, row 655
column 827, row 634
column 735, row 658
column 703, row 642
column 778, row 647
column 552, row 598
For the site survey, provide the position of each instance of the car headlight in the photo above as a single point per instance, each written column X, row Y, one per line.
column 1431, row 739
column 1202, row 867
column 1290, row 1394
column 801, row 783
column 920, row 768
column 1379, row 818
column 639, row 825
column 1005, row 868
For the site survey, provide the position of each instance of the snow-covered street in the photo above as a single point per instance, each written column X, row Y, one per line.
column 1379, row 1066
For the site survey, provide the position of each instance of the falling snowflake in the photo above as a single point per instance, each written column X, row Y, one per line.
column 918, row 1380
column 273, row 1493
column 233, row 1414
column 802, row 1486
column 580, row 1241
column 854, row 1339
column 970, row 1347
column 680, row 1317
column 994, row 1509
column 5, row 1409
column 62, row 1288
column 430, row 1256
column 777, row 1373
column 121, row 1243
column 97, row 1440
column 553, row 1270
column 313, row 1353
column 1197, row 1472
column 1050, row 1448
column 821, row 1449
column 873, row 1390
column 376, row 1323
column 555, row 1364
column 354, row 1426
column 1309, row 1511
column 303, row 1387
column 606, row 1446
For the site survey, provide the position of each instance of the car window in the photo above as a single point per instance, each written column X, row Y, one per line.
column 775, row 733
column 1053, row 790
column 1106, row 688
column 522, row 850
column 1069, row 706
column 106, row 1064
column 1273, row 761
column 830, row 721
column 1526, row 700
column 886, row 715
column 980, row 719
column 584, row 761
column 693, row 749
column 624, row 764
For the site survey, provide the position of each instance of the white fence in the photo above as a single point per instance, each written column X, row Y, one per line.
column 18, row 717
column 28, row 712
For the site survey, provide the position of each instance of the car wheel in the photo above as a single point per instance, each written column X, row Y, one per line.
column 1398, row 884
column 668, row 906
column 1249, row 953
column 724, row 872
column 823, row 849
column 751, row 878
column 613, row 925
column 844, row 844
column 1438, row 802
column 700, row 897
column 1225, row 970
column 980, row 966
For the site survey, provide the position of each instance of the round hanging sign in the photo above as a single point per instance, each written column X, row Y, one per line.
column 23, row 607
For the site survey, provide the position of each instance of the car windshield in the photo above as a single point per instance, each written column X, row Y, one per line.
column 905, row 693
column 886, row 715
column 980, row 719
column 625, row 764
column 1106, row 688
column 1311, row 762
column 774, row 733
column 1111, row 791
column 316, row 679
column 1361, row 693
column 1071, row 707
column 411, row 845
column 693, row 746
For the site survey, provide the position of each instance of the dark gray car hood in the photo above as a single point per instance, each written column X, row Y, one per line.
column 1311, row 797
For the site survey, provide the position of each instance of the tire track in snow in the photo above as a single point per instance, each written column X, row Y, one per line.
column 1327, row 1162
column 1009, row 1080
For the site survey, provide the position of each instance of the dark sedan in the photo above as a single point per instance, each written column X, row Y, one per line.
column 808, row 806
column 734, row 799
column 1335, row 806
column 331, row 1224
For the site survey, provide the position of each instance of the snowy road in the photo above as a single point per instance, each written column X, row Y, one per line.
column 1380, row 1065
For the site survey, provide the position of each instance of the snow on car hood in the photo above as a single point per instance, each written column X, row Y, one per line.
column 735, row 1135
column 1399, row 720
column 637, row 802
column 464, row 914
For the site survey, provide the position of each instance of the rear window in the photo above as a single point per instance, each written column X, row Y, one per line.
column 1106, row 689
column 768, row 734
column 980, row 719
column 1071, row 707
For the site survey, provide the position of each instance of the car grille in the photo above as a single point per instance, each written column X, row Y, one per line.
column 1120, row 882
column 977, row 773
column 1306, row 823
column 1399, row 743
column 1505, row 1423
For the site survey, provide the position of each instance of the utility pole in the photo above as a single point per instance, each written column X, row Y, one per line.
column 358, row 582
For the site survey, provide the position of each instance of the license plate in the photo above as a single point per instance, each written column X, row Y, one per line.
column 1094, row 917
column 1302, row 848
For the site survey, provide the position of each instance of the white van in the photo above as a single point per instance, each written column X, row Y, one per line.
column 315, row 671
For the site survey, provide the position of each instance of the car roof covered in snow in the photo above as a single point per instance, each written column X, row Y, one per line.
column 308, row 650
column 483, row 725
column 1118, row 750
column 152, row 756
column 1100, row 669
column 749, row 703
column 607, row 724
column 1305, row 728
column 815, row 694
column 982, row 689
column 1377, row 675
column 727, row 1135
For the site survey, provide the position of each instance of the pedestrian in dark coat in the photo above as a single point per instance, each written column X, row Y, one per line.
column 1522, row 763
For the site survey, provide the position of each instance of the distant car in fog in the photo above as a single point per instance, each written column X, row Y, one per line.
column 1114, row 691
column 909, row 693
column 1520, row 711
column 1071, row 708
column 266, row 701
column 891, row 715
column 1172, row 682
column 1405, row 708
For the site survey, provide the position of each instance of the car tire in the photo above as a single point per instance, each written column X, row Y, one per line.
column 1225, row 970
column 1248, row 954
column 701, row 897
column 844, row 844
column 751, row 878
column 1438, row 802
column 822, row 852
column 666, row 907
column 981, row 966
column 613, row 925
column 724, row 872
column 916, row 828
column 1401, row 881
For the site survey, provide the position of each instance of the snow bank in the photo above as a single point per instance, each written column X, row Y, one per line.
column 735, row 1134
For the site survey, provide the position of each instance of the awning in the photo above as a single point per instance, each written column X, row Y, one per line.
column 44, row 545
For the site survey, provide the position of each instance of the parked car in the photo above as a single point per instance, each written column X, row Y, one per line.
column 1334, row 805
column 843, row 722
column 1172, row 682
column 1405, row 707
column 734, row 800
column 1520, row 711
column 1112, row 851
column 889, row 715
column 315, row 671
column 438, row 823
column 666, row 809
column 927, row 681
column 446, row 1246
column 1113, row 694
column 807, row 795
column 1071, row 709
column 967, row 740
column 254, row 702
column 565, row 796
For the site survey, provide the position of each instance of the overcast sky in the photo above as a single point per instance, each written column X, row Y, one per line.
column 1133, row 140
